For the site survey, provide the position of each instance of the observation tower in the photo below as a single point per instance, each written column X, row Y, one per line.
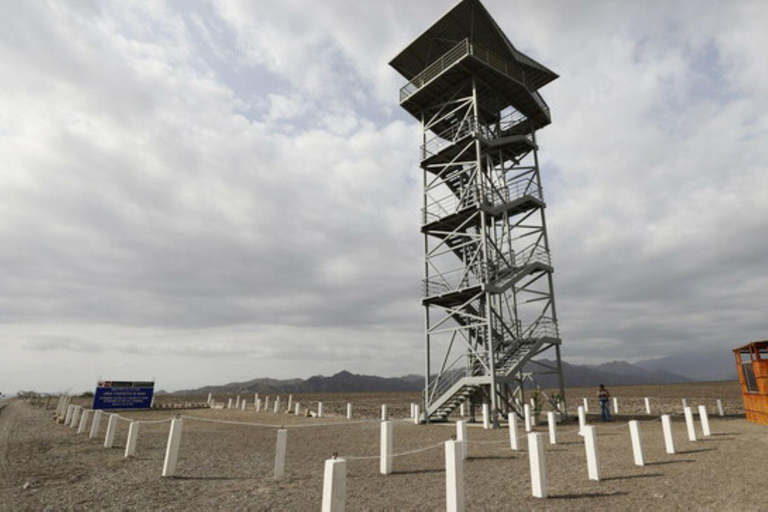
column 487, row 289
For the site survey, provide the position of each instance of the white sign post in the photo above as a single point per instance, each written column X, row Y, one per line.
column 593, row 460
column 637, row 447
column 334, row 486
column 461, row 435
column 538, row 465
column 172, row 448
column 280, row 449
column 454, row 477
column 96, row 424
column 669, row 443
column 385, row 448
column 689, row 424
column 513, row 443
column 704, row 418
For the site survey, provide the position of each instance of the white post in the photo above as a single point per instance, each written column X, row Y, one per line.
column 689, row 424
column 647, row 406
column 637, row 446
column 349, row 411
column 527, row 415
column 229, row 404
column 266, row 404
column 96, row 424
column 319, row 409
column 552, row 427
column 277, row 404
column 454, row 477
column 290, row 404
column 76, row 416
column 461, row 435
column 237, row 403
column 210, row 397
column 172, row 448
column 243, row 405
column 417, row 413
column 590, row 444
column 582, row 420
column 109, row 439
column 669, row 443
column 704, row 418
column 586, row 405
column 538, row 465
column 70, row 411
column 685, row 404
column 513, row 444
column 486, row 417
column 282, row 442
column 461, row 410
column 255, row 398
column 385, row 448
column 411, row 416
column 720, row 407
column 83, row 421
column 615, row 405
column 384, row 412
column 335, row 486
column 297, row 409
column 133, row 434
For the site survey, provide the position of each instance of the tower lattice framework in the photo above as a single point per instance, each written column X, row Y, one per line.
column 488, row 293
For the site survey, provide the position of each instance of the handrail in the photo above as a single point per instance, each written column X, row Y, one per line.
column 468, row 126
column 514, row 187
column 433, row 70
column 461, row 50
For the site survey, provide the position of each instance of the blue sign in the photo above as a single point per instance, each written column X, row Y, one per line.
column 123, row 395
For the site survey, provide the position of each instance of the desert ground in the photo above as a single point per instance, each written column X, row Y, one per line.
column 46, row 465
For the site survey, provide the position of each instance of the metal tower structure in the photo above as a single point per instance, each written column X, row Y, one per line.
column 487, row 292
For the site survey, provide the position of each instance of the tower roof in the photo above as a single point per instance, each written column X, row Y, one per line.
column 468, row 19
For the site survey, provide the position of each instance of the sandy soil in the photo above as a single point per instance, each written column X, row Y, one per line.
column 44, row 465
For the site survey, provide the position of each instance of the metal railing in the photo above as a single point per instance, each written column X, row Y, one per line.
column 447, row 138
column 449, row 58
column 514, row 187
column 503, row 266
column 461, row 50
column 543, row 327
column 450, row 281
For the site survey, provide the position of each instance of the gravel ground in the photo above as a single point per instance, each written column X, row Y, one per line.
column 44, row 465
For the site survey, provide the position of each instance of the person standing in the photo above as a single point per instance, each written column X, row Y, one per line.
column 603, row 395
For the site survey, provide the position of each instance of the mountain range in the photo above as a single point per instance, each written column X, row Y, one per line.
column 667, row 370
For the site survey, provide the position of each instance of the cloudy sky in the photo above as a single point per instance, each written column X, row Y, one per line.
column 212, row 191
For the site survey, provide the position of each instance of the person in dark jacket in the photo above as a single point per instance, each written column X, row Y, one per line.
column 603, row 395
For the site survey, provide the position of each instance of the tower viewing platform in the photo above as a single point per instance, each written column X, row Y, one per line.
column 487, row 291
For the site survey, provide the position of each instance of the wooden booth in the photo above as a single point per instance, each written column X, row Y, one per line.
column 752, row 366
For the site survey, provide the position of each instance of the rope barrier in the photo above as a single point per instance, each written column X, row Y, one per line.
column 129, row 420
column 401, row 454
column 281, row 426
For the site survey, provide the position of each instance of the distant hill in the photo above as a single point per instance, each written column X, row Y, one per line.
column 342, row 382
column 697, row 365
column 615, row 373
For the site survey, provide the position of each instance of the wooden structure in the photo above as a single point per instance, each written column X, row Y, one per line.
column 752, row 365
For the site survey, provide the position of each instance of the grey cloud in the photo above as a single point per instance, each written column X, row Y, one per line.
column 155, row 203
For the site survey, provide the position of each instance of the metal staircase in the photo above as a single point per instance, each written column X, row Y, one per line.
column 487, row 291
